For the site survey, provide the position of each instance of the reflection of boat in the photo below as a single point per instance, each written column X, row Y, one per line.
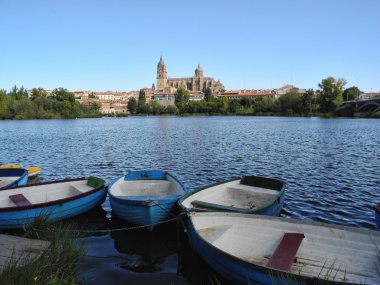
column 249, row 194
column 377, row 215
column 56, row 200
column 32, row 171
column 12, row 177
column 145, row 197
column 250, row 249
column 153, row 248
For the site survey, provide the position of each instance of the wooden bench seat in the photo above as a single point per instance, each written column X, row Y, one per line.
column 286, row 251
column 20, row 200
column 253, row 189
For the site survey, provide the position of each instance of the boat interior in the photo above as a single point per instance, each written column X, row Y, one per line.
column 329, row 253
column 42, row 193
column 232, row 194
column 146, row 187
column 4, row 181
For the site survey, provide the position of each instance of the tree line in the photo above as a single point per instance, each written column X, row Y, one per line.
column 16, row 104
column 326, row 101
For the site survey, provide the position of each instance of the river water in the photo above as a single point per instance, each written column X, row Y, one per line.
column 331, row 167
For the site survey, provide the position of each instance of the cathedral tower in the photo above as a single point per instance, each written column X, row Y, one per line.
column 162, row 75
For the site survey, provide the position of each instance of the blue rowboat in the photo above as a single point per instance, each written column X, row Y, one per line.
column 255, row 249
column 248, row 194
column 55, row 200
column 145, row 197
column 377, row 215
column 12, row 177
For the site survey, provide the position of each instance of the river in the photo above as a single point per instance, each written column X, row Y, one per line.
column 331, row 167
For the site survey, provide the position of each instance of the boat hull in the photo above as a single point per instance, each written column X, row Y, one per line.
column 143, row 213
column 240, row 271
column 54, row 211
column 146, row 210
column 377, row 215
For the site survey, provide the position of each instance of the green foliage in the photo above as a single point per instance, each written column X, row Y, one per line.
column 307, row 102
column 61, row 104
column 351, row 93
column 18, row 93
column 132, row 105
column 263, row 105
column 38, row 93
column 181, row 98
column 58, row 264
column 208, row 94
column 331, row 94
column 291, row 103
column 141, row 105
column 171, row 110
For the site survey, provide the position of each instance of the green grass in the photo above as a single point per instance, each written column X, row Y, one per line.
column 59, row 264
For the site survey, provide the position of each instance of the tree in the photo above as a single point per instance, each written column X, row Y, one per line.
column 3, row 104
column 62, row 94
column 246, row 102
column 141, row 104
column 351, row 93
column 306, row 101
column 18, row 93
column 208, row 94
column 132, row 105
column 331, row 93
column 290, row 103
column 181, row 98
column 38, row 92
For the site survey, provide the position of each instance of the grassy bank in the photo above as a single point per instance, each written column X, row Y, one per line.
column 59, row 264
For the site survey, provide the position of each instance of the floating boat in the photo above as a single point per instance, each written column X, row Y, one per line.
column 56, row 200
column 377, row 215
column 32, row 171
column 253, row 249
column 145, row 197
column 12, row 177
column 248, row 194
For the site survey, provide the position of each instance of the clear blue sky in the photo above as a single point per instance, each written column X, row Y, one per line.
column 115, row 45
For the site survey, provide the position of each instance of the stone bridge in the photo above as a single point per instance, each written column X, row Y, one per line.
column 368, row 106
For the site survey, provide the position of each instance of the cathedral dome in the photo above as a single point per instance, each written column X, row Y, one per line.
column 199, row 71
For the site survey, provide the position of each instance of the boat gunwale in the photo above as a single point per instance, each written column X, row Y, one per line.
column 14, row 183
column 54, row 202
column 263, row 268
column 140, row 201
column 221, row 208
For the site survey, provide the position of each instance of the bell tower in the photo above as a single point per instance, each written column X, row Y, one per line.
column 162, row 76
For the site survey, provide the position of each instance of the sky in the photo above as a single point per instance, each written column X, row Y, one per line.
column 115, row 45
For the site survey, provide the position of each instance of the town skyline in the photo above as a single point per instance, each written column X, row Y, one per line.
column 112, row 46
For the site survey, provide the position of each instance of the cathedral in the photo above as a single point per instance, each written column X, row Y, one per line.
column 197, row 83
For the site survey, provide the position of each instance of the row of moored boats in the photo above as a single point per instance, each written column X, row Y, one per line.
column 233, row 225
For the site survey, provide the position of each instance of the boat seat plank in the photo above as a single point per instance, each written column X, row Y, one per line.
column 253, row 189
column 202, row 204
column 286, row 251
column 20, row 200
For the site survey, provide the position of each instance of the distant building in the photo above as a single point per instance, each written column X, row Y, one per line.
column 196, row 83
column 165, row 98
column 369, row 96
column 286, row 89
column 251, row 94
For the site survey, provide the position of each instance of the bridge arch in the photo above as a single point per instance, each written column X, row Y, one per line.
column 369, row 107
